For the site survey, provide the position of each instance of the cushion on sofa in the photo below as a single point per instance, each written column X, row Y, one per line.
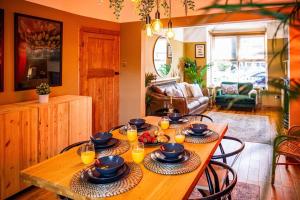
column 173, row 92
column 191, row 104
column 183, row 89
column 245, row 88
column 236, row 99
column 203, row 100
column 231, row 88
column 195, row 90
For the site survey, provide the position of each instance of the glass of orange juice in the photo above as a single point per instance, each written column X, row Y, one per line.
column 179, row 136
column 131, row 133
column 87, row 153
column 164, row 123
column 138, row 152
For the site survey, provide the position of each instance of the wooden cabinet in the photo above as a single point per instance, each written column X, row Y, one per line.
column 31, row 132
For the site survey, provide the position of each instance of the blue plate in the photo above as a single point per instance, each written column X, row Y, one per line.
column 180, row 121
column 158, row 156
column 192, row 133
column 91, row 175
column 110, row 143
column 144, row 127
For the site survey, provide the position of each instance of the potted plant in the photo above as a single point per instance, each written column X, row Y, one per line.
column 43, row 90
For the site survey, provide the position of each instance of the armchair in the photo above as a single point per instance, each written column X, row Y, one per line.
column 288, row 146
column 246, row 97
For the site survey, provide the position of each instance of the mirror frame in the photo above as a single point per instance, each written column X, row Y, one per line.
column 168, row 41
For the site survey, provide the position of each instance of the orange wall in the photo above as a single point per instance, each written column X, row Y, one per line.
column 295, row 73
column 70, row 54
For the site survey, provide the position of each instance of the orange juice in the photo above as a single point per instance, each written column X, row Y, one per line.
column 132, row 135
column 137, row 155
column 87, row 157
column 164, row 124
column 179, row 138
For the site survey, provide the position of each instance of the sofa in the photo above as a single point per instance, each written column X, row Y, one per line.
column 242, row 96
column 183, row 101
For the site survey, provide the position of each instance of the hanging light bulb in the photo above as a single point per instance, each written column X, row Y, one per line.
column 148, row 26
column 157, row 25
column 170, row 32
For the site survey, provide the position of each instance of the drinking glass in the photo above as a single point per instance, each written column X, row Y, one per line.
column 179, row 136
column 164, row 123
column 87, row 153
column 131, row 133
column 138, row 152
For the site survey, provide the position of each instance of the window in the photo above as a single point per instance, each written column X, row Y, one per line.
column 238, row 58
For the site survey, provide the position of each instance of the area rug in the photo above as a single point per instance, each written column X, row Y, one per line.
column 241, row 191
column 248, row 128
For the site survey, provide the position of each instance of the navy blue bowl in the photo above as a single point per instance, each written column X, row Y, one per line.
column 175, row 116
column 198, row 128
column 109, row 165
column 138, row 122
column 172, row 150
column 101, row 138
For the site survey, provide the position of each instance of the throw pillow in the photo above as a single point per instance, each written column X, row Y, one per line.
column 187, row 86
column 169, row 92
column 182, row 87
column 230, row 88
column 196, row 90
column 177, row 93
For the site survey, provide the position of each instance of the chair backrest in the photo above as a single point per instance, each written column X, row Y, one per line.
column 217, row 191
column 73, row 145
column 199, row 117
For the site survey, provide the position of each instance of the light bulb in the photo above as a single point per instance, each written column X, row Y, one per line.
column 170, row 33
column 149, row 30
column 157, row 26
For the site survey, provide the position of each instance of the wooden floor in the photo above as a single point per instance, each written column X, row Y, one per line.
column 253, row 166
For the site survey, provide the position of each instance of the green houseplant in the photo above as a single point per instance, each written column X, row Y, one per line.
column 194, row 74
column 43, row 90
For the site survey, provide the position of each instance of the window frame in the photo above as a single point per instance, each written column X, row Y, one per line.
column 237, row 35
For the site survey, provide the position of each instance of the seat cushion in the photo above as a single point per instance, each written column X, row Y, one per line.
column 192, row 104
column 290, row 148
column 203, row 100
column 236, row 99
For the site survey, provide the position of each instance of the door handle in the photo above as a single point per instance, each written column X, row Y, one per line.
column 117, row 73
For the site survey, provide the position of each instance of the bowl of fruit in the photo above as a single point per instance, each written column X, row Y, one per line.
column 153, row 138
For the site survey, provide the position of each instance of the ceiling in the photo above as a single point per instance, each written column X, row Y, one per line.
column 95, row 9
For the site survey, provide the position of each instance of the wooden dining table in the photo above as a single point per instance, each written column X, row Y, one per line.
column 56, row 173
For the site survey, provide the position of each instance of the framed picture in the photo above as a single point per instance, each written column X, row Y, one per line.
column 199, row 50
column 1, row 50
column 38, row 52
column 169, row 51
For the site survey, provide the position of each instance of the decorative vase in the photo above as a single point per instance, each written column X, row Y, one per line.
column 44, row 98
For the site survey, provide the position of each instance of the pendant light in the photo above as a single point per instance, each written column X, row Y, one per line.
column 157, row 25
column 170, row 32
column 148, row 26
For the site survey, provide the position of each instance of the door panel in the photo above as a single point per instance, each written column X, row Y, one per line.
column 99, row 69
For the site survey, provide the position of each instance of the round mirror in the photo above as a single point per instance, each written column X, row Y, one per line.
column 162, row 56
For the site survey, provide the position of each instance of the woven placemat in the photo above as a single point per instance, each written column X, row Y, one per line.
column 173, row 168
column 84, row 188
column 123, row 129
column 209, row 137
column 122, row 147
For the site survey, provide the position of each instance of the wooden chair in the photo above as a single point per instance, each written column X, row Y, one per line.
column 286, row 145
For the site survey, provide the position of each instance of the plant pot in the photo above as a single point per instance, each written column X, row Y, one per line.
column 44, row 98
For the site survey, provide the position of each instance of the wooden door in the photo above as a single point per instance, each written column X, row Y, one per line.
column 99, row 70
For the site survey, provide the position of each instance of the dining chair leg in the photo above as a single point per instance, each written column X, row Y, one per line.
column 209, row 182
column 222, row 152
column 273, row 166
column 216, row 179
